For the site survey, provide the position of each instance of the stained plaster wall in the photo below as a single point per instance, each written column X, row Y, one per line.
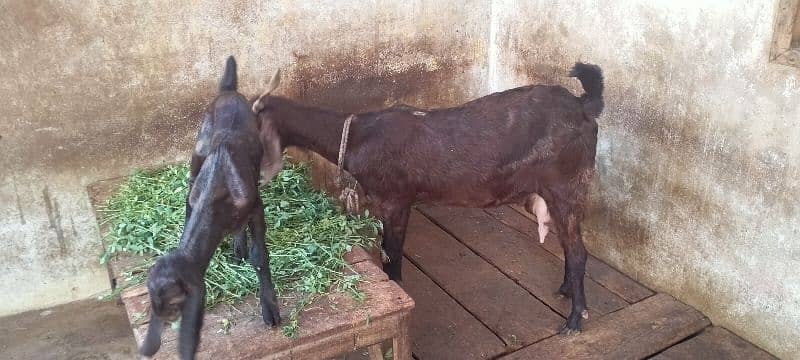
column 697, row 161
column 697, row 158
column 95, row 89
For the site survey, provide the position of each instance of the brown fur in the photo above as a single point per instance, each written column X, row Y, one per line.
column 499, row 149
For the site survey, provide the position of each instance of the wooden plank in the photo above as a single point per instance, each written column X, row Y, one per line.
column 364, row 353
column 360, row 354
column 508, row 309
column 378, row 331
column 357, row 255
column 782, row 28
column 599, row 271
column 635, row 332
column 375, row 352
column 401, row 343
column 440, row 328
column 715, row 343
column 520, row 258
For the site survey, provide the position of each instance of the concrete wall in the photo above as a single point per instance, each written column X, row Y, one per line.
column 94, row 89
column 699, row 147
column 697, row 161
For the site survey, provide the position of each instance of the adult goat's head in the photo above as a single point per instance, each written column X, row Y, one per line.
column 272, row 159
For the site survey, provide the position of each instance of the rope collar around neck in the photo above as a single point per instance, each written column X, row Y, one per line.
column 349, row 195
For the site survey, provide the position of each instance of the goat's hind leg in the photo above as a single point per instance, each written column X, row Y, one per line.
column 240, row 245
column 259, row 258
column 537, row 206
column 567, row 216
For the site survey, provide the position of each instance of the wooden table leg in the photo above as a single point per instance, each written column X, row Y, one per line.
column 375, row 352
column 402, row 342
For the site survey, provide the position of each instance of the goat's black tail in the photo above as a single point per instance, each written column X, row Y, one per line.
column 229, row 82
column 591, row 78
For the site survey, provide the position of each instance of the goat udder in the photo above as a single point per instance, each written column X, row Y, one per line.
column 539, row 208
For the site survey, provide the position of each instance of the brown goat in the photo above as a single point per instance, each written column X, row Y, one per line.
column 223, row 199
column 533, row 145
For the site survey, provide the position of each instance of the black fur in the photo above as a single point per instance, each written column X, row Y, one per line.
column 503, row 148
column 591, row 78
column 229, row 79
column 223, row 199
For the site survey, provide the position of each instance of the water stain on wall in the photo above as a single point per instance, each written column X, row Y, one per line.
column 54, row 215
column 145, row 125
column 356, row 80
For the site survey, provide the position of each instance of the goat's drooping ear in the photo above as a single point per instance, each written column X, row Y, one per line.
column 152, row 341
column 272, row 152
column 258, row 105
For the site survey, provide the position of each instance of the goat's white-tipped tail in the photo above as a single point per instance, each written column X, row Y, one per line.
column 258, row 105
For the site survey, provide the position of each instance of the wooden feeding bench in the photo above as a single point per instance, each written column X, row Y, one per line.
column 332, row 326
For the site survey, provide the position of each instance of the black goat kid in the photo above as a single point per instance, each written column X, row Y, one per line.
column 533, row 145
column 223, row 199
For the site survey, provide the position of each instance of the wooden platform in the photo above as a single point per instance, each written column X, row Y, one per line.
column 485, row 289
column 333, row 326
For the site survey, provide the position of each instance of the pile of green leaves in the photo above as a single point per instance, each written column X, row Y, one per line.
column 307, row 236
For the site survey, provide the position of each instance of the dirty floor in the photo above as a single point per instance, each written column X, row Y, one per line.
column 83, row 330
column 484, row 289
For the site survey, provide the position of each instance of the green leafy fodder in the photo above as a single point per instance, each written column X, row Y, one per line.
column 307, row 236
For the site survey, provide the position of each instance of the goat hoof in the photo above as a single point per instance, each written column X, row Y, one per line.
column 564, row 292
column 270, row 314
column 272, row 319
column 565, row 330
column 572, row 326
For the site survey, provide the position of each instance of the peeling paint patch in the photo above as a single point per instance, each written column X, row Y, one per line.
column 791, row 87
column 74, row 229
column 363, row 79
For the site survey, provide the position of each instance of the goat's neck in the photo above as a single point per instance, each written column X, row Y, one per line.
column 200, row 237
column 313, row 129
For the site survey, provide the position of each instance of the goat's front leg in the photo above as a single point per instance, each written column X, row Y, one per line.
column 192, row 321
column 574, row 270
column 395, row 222
column 259, row 257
